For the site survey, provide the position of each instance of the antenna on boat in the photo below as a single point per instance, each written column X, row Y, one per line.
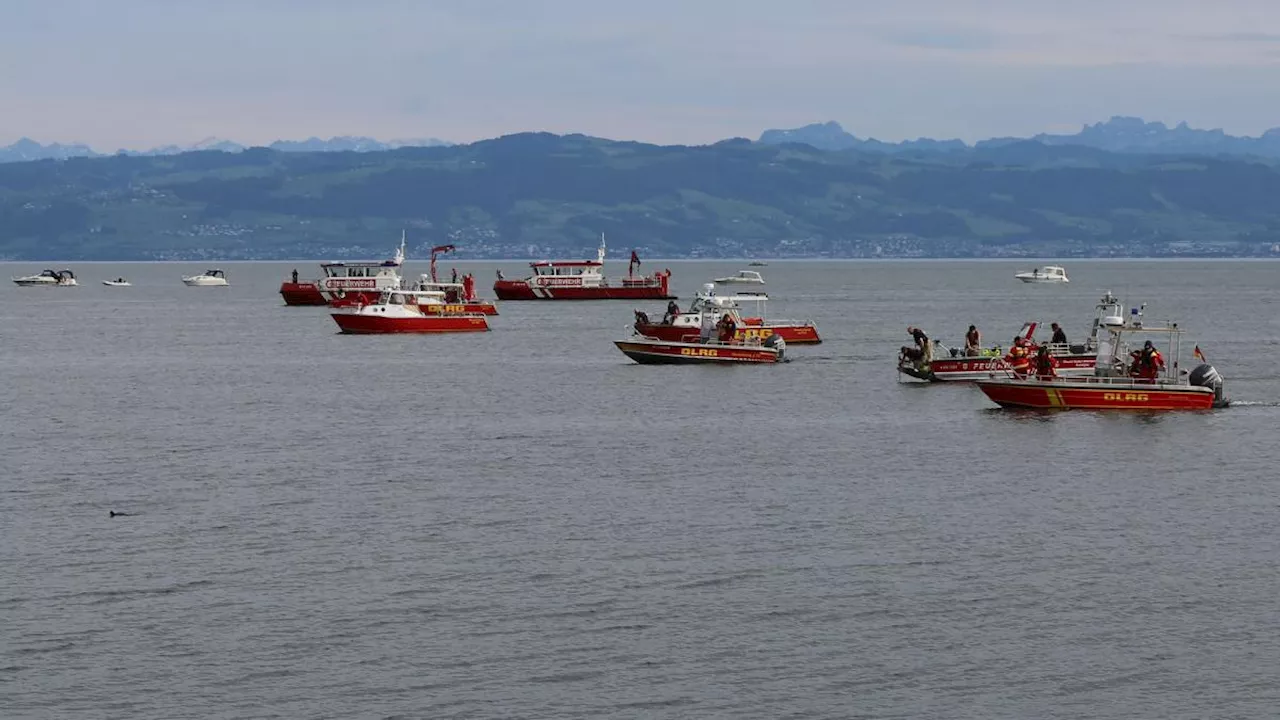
column 400, row 250
column 600, row 252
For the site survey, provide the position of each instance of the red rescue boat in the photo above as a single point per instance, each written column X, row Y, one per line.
column 583, row 280
column 1146, row 383
column 407, row 311
column 685, row 326
column 648, row 351
column 302, row 293
column 941, row 363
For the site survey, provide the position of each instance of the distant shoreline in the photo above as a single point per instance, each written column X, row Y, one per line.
column 648, row 264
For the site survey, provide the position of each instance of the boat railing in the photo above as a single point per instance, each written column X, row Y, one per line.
column 1129, row 383
column 1070, row 348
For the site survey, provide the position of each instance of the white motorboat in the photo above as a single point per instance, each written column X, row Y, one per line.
column 60, row 278
column 118, row 282
column 210, row 278
column 1046, row 274
column 743, row 276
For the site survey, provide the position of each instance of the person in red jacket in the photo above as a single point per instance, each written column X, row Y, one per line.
column 1147, row 362
column 1044, row 364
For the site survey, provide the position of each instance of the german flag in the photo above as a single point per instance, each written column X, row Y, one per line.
column 1198, row 355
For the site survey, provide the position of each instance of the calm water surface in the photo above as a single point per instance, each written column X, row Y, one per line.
column 524, row 524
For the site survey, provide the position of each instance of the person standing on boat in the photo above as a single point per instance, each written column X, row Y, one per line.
column 1045, row 365
column 455, row 276
column 673, row 312
column 727, row 328
column 1147, row 362
column 973, row 342
column 295, row 276
column 1059, row 337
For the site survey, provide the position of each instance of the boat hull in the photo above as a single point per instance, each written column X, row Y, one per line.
column 474, row 307
column 369, row 324
column 969, row 369
column 797, row 334
column 302, row 293
column 190, row 282
column 521, row 290
column 1049, row 281
column 1088, row 396
column 661, row 353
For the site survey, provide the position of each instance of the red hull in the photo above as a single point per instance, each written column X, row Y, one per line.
column 647, row 353
column 304, row 293
column 373, row 324
column 1079, row 396
column 797, row 334
column 520, row 290
column 981, row 368
column 475, row 307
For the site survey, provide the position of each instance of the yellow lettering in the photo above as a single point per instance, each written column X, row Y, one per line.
column 700, row 352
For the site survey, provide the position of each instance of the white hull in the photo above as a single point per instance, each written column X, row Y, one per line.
column 34, row 282
column 737, row 281
column 1042, row 279
column 204, row 282
column 113, row 283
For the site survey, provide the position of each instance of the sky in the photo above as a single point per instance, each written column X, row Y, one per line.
column 143, row 73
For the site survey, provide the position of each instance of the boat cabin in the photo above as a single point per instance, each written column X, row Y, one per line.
column 215, row 273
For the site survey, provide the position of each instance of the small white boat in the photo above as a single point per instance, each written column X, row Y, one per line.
column 210, row 278
column 743, row 276
column 118, row 282
column 1046, row 274
column 60, row 278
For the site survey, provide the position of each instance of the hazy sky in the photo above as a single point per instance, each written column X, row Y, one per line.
column 139, row 73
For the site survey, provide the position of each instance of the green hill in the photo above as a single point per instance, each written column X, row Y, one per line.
column 547, row 195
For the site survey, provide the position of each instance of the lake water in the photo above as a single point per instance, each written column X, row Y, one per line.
column 525, row 524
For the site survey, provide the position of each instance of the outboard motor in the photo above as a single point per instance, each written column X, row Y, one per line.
column 775, row 341
column 1205, row 375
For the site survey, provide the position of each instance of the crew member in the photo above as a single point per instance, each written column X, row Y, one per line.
column 500, row 277
column 728, row 328
column 673, row 312
column 973, row 342
column 1019, row 355
column 1059, row 337
column 921, row 351
column 1147, row 362
column 295, row 276
column 455, row 276
column 1045, row 364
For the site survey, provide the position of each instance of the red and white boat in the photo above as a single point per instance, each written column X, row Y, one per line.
column 648, row 351
column 407, row 311
column 942, row 364
column 583, row 280
column 360, row 282
column 1115, row 384
column 306, row 292
column 686, row 326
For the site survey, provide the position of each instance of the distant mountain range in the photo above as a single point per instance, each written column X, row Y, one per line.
column 1119, row 134
column 543, row 195
column 28, row 149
